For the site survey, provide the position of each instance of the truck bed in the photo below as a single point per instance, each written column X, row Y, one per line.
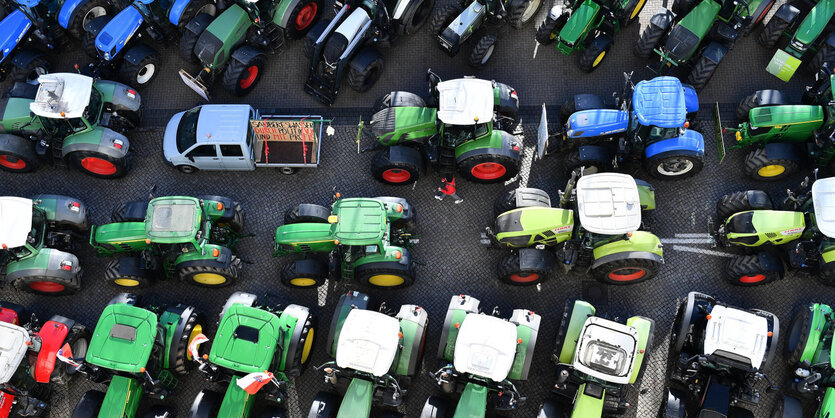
column 287, row 140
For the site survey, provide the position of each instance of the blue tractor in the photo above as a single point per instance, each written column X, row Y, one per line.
column 31, row 28
column 648, row 121
column 118, row 44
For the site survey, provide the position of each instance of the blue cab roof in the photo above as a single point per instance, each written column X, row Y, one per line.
column 660, row 102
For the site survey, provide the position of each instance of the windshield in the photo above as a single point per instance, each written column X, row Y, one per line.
column 93, row 109
column 187, row 131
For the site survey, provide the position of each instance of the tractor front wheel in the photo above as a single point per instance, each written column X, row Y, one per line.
column 799, row 331
column 79, row 341
column 772, row 31
column 511, row 272
column 85, row 13
column 98, row 164
column 826, row 54
column 313, row 36
column 188, row 40
column 648, row 41
column 759, row 167
column 29, row 71
column 594, row 55
column 206, row 404
column 520, row 12
column 631, row 11
column 626, row 271
column 385, row 275
column 736, row 202
column 17, row 154
column 303, row 17
column 49, row 284
column 365, row 69
column 415, row 16
column 550, row 28
column 442, row 17
column 552, row 408
column 304, row 346
column 183, row 362
column 701, row 73
column 196, row 8
column 141, row 73
column 483, row 51
column 241, row 77
column 113, row 276
column 788, row 407
column 758, row 99
column 88, row 45
column 305, row 273
column 402, row 167
column 211, row 276
column 674, row 167
column 749, row 271
column 488, row 168
column 574, row 163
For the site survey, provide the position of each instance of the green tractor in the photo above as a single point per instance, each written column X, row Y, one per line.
column 237, row 41
column 466, row 125
column 598, row 360
column 696, row 34
column 606, row 240
column 69, row 119
column 252, row 339
column 376, row 354
column 454, row 24
column 784, row 136
column 137, row 351
column 588, row 26
column 366, row 240
column 480, row 356
column 169, row 237
column 797, row 237
column 801, row 31
column 35, row 237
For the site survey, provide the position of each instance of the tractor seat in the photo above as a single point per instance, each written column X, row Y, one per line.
column 681, row 43
column 23, row 90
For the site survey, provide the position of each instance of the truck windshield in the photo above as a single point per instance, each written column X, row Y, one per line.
column 187, row 131
column 93, row 109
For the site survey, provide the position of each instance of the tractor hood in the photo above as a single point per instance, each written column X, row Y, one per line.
column 578, row 22
column 15, row 221
column 597, row 122
column 769, row 116
column 116, row 33
column 608, row 203
column 823, row 198
column 485, row 346
column 368, row 342
column 660, row 102
column 397, row 124
column 123, row 338
column 465, row 101
column 13, row 348
column 606, row 350
column 12, row 29
column 245, row 339
column 737, row 335
column 815, row 22
column 360, row 221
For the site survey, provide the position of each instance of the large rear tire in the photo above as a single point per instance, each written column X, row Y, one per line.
column 488, row 168
column 211, row 276
column 98, row 164
column 17, row 155
column 626, row 271
column 48, row 284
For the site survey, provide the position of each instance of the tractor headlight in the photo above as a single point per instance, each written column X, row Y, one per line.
column 107, row 56
column 799, row 46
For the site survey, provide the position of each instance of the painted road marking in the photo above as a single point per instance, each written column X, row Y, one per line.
column 702, row 251
column 687, row 240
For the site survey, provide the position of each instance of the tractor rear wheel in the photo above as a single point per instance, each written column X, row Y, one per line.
column 303, row 17
column 772, row 31
column 304, row 273
column 520, row 12
column 648, row 41
column 626, row 271
column 89, row 405
column 799, row 330
column 574, row 163
column 188, row 40
column 140, row 74
column 759, row 167
column 701, row 73
column 511, row 273
column 442, row 17
column 17, row 154
column 674, row 167
column 483, row 51
column 326, row 405
column 31, row 70
column 736, row 202
column 362, row 75
column 826, row 272
column 415, row 16
column 404, row 168
column 79, row 340
column 550, row 29
column 594, row 55
column 385, row 275
column 488, row 168
column 241, row 77
column 183, row 362
column 85, row 13
column 211, row 276
column 133, row 281
column 98, row 164
column 748, row 270
column 48, row 284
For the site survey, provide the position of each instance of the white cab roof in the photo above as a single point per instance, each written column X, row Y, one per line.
column 823, row 197
column 608, row 203
column 606, row 350
column 486, row 347
column 465, row 99
column 222, row 123
column 738, row 332
column 368, row 342
column 13, row 348
column 15, row 220
column 65, row 93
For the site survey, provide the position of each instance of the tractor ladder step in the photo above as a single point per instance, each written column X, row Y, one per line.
column 446, row 161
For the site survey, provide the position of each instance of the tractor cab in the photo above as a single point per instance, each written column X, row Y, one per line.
column 607, row 350
column 465, row 109
column 608, row 204
column 660, row 108
column 67, row 103
column 823, row 199
column 22, row 228
column 736, row 339
column 177, row 220
column 485, row 347
column 14, row 347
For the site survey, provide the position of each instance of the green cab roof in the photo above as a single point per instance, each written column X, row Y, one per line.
column 173, row 219
column 359, row 221
column 768, row 116
column 246, row 339
column 123, row 338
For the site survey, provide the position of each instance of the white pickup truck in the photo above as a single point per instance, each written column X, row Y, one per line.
column 240, row 138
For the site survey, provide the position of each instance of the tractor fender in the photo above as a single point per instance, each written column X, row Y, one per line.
column 198, row 24
column 771, row 98
column 363, row 58
column 645, row 327
column 307, row 210
column 52, row 335
column 588, row 101
column 596, row 153
column 64, row 211
column 690, row 142
column 134, row 266
column 506, row 100
column 138, row 52
column 459, row 307
column 644, row 255
column 407, row 213
column 136, row 210
column 101, row 140
column 226, row 211
column 93, row 27
column 413, row 323
column 510, row 147
column 787, row 13
column 773, row 339
column 536, row 259
column 68, row 10
column 245, row 54
column 298, row 314
column 281, row 16
column 663, row 18
column 24, row 56
column 12, row 313
column 641, row 244
column 527, row 329
column 14, row 28
column 715, row 52
column 239, row 298
column 556, row 11
column 770, row 262
column 691, row 98
column 46, row 260
column 784, row 151
column 580, row 312
column 195, row 258
column 347, row 302
column 175, row 13
column 117, row 95
column 184, row 313
column 647, row 195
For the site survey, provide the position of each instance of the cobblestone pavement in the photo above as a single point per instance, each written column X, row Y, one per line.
column 453, row 261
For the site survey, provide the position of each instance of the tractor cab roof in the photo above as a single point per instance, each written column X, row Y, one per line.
column 123, row 338
column 738, row 335
column 173, row 219
column 465, row 101
column 823, row 198
column 359, row 221
column 13, row 348
column 768, row 116
column 62, row 95
column 368, row 342
column 608, row 203
column 606, row 350
column 485, row 346
column 660, row 102
column 245, row 340
column 15, row 221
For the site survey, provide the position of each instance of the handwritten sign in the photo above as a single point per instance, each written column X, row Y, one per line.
column 284, row 130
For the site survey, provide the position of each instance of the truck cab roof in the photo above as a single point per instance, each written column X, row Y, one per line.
column 608, row 203
column 13, row 348
column 15, row 221
column 606, row 350
column 485, row 346
column 359, row 221
column 368, row 342
column 465, row 101
column 823, row 198
column 227, row 124
column 660, row 102
column 173, row 219
column 62, row 95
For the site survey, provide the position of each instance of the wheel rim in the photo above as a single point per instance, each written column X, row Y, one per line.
column 98, row 166
column 306, row 16
column 248, row 78
column 308, row 346
column 127, row 282
column 487, row 54
column 637, row 9
column 533, row 6
column 93, row 13
column 675, row 166
column 11, row 162
column 396, row 175
column 752, row 278
column 209, row 278
column 187, row 169
column 47, row 287
column 598, row 59
column 488, row 171
column 146, row 73
column 524, row 277
column 386, row 280
column 302, row 282
column 197, row 330
column 772, row 170
column 627, row 274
